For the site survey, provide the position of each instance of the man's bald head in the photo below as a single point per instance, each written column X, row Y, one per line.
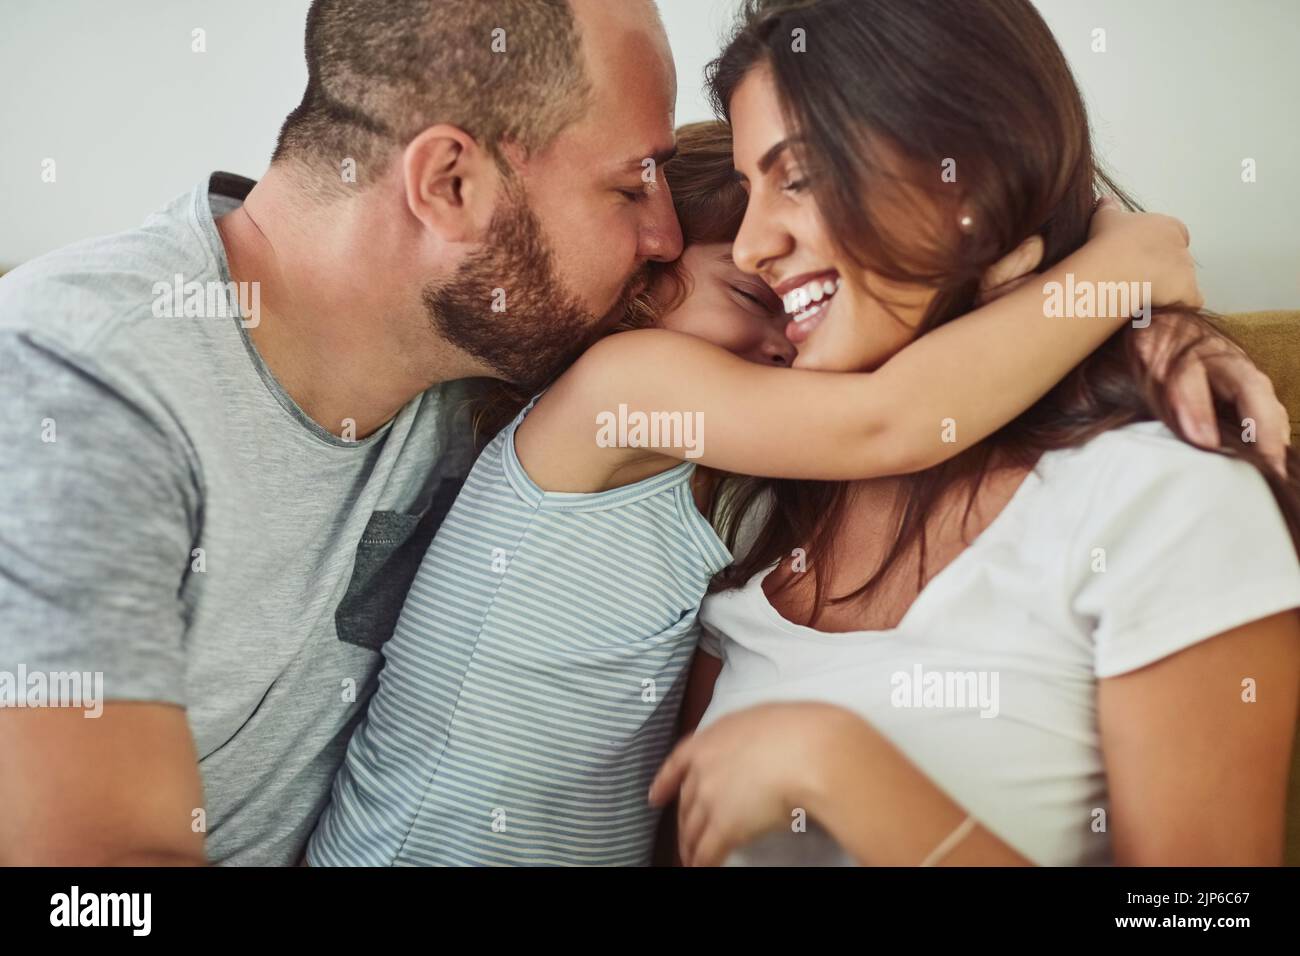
column 380, row 73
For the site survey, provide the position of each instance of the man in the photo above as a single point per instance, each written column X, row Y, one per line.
column 231, row 433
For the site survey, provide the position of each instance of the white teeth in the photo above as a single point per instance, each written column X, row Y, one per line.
column 798, row 300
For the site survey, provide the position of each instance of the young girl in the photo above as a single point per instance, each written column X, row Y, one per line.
column 531, row 687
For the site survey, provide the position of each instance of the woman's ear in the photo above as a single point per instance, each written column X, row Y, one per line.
column 450, row 183
column 1012, row 270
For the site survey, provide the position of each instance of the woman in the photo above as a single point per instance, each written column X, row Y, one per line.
column 1075, row 643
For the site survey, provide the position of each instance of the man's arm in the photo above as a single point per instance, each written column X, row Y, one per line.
column 117, row 790
column 97, row 518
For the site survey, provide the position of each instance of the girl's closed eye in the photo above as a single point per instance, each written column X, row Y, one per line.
column 727, row 307
column 756, row 298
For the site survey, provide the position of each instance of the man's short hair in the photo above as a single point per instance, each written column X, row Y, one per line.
column 378, row 73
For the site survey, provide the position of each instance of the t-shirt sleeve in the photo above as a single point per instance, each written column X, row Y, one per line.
column 1176, row 546
column 96, row 525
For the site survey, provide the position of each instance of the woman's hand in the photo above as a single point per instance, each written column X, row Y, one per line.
column 745, row 775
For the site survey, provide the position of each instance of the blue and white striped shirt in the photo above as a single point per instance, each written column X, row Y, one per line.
column 531, row 688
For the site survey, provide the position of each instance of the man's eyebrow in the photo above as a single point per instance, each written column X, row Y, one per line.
column 660, row 157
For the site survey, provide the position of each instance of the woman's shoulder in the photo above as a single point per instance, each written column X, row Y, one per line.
column 1167, row 544
column 1147, row 457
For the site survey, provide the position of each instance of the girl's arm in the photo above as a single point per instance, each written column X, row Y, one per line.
column 938, row 396
column 699, row 692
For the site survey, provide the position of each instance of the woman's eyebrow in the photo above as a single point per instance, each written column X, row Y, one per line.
column 768, row 159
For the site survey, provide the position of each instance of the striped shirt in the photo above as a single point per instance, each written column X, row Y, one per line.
column 531, row 688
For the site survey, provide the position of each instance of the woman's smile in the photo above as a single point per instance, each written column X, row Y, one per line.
column 807, row 300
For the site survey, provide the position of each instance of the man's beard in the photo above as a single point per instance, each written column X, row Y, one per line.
column 506, row 306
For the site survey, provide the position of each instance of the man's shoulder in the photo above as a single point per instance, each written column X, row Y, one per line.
column 97, row 290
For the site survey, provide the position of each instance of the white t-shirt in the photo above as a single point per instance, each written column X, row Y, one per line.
column 1108, row 558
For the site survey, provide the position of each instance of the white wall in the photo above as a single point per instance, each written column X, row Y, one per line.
column 111, row 91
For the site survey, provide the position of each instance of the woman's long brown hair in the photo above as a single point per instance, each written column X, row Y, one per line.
column 978, row 87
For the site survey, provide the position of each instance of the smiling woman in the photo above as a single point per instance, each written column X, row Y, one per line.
column 1027, row 559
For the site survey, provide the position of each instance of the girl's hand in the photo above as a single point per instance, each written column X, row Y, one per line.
column 1213, row 368
column 1159, row 248
column 746, row 775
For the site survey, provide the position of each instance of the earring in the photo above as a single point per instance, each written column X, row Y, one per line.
column 967, row 223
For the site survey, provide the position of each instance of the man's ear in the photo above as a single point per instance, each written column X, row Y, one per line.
column 451, row 183
column 1012, row 270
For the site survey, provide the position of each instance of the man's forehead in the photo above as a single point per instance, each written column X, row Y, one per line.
column 660, row 155
column 617, row 141
column 633, row 87
column 627, row 55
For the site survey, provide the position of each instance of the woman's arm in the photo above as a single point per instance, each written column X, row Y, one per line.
column 1196, row 758
column 972, row 375
column 1198, row 749
column 760, row 768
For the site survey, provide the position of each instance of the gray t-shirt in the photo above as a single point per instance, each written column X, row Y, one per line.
column 169, row 517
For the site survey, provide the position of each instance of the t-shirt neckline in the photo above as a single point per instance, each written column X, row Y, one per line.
column 232, row 189
column 1032, row 480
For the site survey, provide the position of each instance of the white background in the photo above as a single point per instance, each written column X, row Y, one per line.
column 111, row 90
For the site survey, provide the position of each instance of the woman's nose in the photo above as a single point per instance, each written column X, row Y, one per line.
column 760, row 241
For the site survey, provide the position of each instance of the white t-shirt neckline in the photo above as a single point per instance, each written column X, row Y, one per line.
column 1004, row 519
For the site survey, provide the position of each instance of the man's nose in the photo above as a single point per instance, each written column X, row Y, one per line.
column 661, row 233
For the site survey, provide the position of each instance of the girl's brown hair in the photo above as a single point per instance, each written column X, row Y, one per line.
column 980, row 88
column 710, row 205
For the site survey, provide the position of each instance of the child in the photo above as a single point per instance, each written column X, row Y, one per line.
column 532, row 684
